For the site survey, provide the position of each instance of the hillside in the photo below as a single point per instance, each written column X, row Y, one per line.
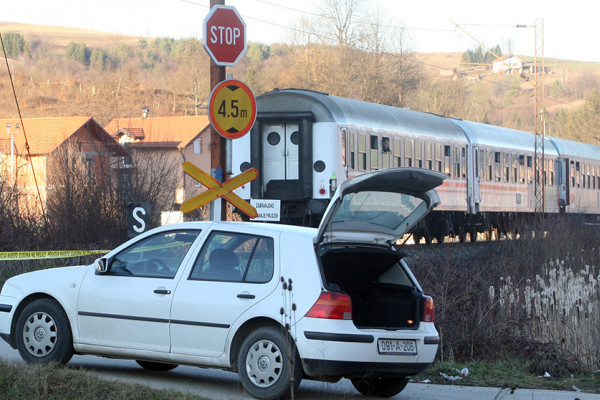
column 117, row 75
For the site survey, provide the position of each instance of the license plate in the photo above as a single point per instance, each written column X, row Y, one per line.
column 394, row 346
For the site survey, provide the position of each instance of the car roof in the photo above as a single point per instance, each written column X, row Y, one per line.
column 257, row 226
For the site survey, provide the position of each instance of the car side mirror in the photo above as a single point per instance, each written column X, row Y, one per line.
column 101, row 266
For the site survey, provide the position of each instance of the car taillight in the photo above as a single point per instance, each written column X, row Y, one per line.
column 428, row 310
column 331, row 305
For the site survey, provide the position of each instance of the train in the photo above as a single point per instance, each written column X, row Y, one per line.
column 305, row 143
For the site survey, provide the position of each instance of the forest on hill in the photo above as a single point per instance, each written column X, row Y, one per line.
column 66, row 72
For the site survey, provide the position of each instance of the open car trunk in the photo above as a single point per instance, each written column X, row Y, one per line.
column 382, row 292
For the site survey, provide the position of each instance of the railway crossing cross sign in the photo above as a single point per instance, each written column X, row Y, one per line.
column 232, row 109
column 224, row 35
column 217, row 189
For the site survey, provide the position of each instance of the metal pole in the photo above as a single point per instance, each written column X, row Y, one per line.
column 217, row 143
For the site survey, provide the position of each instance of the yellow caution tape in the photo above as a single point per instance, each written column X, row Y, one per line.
column 37, row 255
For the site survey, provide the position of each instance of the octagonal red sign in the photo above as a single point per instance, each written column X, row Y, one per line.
column 224, row 35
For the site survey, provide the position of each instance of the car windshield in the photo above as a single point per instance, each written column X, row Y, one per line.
column 386, row 209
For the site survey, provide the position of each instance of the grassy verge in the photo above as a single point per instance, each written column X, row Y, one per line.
column 511, row 374
column 50, row 382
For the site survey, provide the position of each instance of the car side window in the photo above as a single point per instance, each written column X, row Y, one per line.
column 157, row 256
column 235, row 257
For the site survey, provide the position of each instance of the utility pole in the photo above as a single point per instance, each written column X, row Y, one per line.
column 218, row 210
column 540, row 118
column 539, row 109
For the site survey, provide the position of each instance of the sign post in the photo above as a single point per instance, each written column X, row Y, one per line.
column 224, row 38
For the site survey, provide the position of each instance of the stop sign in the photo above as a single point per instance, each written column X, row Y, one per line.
column 224, row 35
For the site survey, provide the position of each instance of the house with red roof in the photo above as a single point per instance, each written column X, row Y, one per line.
column 155, row 145
column 27, row 148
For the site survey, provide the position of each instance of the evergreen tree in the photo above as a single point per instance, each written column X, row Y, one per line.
column 14, row 44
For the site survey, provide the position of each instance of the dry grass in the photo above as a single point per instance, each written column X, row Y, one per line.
column 51, row 382
column 561, row 307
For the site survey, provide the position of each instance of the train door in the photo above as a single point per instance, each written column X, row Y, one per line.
column 562, row 182
column 473, row 194
column 280, row 150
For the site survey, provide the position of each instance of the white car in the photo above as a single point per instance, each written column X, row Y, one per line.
column 275, row 303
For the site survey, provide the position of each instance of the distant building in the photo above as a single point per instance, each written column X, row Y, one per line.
column 172, row 140
column 36, row 142
column 508, row 64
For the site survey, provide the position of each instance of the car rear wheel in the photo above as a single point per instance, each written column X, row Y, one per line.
column 43, row 333
column 268, row 364
column 155, row 366
column 380, row 387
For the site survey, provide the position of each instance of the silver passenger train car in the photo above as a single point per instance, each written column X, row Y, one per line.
column 305, row 143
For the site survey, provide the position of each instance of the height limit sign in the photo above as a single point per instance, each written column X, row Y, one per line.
column 232, row 109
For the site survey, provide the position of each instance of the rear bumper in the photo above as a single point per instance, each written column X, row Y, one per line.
column 315, row 368
column 331, row 349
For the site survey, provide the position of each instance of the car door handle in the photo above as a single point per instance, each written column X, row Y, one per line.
column 162, row 291
column 245, row 296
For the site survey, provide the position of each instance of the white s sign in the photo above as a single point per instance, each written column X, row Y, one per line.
column 136, row 215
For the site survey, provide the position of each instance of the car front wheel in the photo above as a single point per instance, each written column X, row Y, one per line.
column 380, row 387
column 43, row 333
column 268, row 364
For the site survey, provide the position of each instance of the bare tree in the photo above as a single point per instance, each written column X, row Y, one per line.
column 82, row 206
column 444, row 98
column 193, row 64
column 154, row 176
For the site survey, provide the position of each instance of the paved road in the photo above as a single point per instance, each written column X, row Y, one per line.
column 223, row 385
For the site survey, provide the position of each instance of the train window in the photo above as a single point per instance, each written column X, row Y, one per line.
column 529, row 162
column 374, row 152
column 352, row 150
column 273, row 138
column 438, row 157
column 522, row 168
column 397, row 152
column 497, row 166
column 587, row 168
column 463, row 162
column 457, row 160
column 447, row 151
column 506, row 166
column 343, row 140
column 481, row 164
column 515, row 168
column 447, row 160
column 497, row 157
column 429, row 155
column 408, row 152
column 362, row 152
column 386, row 152
column 385, row 145
column 418, row 154
column 572, row 173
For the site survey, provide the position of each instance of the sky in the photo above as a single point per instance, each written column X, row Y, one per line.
column 571, row 28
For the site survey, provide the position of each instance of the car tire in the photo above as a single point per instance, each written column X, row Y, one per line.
column 43, row 333
column 380, row 387
column 268, row 364
column 156, row 366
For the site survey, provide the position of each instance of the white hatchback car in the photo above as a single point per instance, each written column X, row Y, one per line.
column 275, row 303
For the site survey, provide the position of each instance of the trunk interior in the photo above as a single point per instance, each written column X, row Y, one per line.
column 383, row 295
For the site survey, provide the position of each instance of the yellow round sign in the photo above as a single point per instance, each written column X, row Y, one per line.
column 232, row 109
